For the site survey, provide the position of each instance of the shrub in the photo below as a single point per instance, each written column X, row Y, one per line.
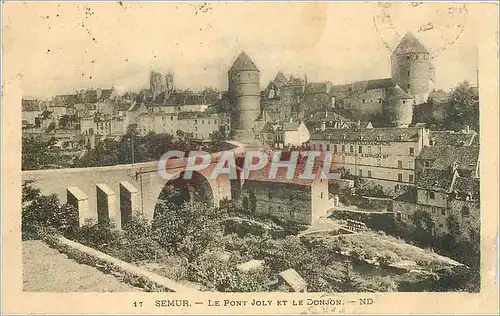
column 40, row 211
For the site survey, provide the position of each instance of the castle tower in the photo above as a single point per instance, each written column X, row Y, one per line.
column 412, row 69
column 244, row 94
column 400, row 108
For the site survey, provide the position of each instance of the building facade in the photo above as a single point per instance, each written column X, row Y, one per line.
column 385, row 156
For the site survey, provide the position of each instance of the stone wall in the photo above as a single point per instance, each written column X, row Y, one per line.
column 286, row 201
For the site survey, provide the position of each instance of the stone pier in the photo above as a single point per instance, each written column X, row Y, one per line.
column 129, row 202
column 106, row 206
column 77, row 198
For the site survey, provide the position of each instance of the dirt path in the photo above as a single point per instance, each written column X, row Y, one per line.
column 47, row 270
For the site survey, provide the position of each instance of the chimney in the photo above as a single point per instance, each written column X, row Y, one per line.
column 323, row 126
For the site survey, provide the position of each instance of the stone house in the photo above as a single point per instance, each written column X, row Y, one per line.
column 447, row 187
column 292, row 199
column 285, row 134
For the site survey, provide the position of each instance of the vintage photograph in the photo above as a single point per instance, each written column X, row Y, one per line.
column 250, row 148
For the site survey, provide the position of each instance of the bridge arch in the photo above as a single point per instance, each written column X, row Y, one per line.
column 178, row 191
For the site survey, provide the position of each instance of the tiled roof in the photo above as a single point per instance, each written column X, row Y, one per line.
column 363, row 85
column 292, row 81
column 410, row 196
column 436, row 179
column 243, row 62
column 467, row 185
column 409, row 134
column 192, row 115
column 444, row 156
column 280, row 79
column 398, row 93
column 284, row 126
column 410, row 44
column 65, row 100
column 282, row 176
column 450, row 138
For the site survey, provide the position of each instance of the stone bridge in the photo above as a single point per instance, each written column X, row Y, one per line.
column 115, row 192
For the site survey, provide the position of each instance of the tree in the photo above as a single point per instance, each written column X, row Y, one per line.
column 51, row 127
column 41, row 211
column 36, row 153
column 190, row 228
column 464, row 107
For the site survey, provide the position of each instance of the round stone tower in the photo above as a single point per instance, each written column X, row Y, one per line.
column 244, row 94
column 400, row 108
column 412, row 68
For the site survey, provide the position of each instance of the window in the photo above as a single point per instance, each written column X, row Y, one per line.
column 404, row 101
column 379, row 100
column 334, row 148
column 327, row 147
column 321, row 194
column 432, row 195
column 410, row 178
column 410, row 164
column 292, row 214
column 443, row 211
column 408, row 86
column 412, row 151
column 398, row 216
column 343, row 148
column 369, row 149
column 363, row 100
column 360, row 149
column 465, row 211
column 369, row 173
column 321, row 147
column 269, row 195
column 400, row 177
column 360, row 172
column 427, row 163
column 202, row 121
column 440, row 225
column 351, row 148
column 408, row 73
column 400, row 164
column 416, row 57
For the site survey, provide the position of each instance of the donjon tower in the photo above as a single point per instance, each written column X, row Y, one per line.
column 244, row 95
column 412, row 68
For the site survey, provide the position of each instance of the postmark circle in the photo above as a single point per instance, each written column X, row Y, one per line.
column 437, row 25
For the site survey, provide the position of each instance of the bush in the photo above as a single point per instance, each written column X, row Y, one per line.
column 39, row 211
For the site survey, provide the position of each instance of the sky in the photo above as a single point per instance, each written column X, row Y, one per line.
column 57, row 48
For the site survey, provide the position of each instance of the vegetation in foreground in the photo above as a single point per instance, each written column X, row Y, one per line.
column 188, row 242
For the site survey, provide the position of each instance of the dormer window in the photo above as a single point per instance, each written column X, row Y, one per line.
column 360, row 137
column 379, row 137
column 401, row 137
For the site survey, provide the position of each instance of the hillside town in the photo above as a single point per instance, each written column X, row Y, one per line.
column 407, row 161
